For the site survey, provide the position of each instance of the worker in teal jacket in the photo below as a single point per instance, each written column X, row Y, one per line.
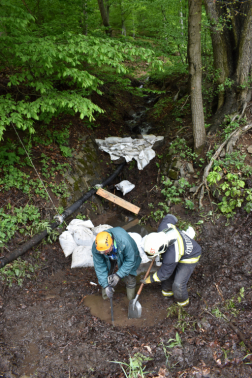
column 115, row 247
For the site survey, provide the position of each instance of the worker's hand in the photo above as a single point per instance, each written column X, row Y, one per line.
column 113, row 280
column 109, row 291
column 147, row 280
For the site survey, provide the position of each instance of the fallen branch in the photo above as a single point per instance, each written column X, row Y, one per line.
column 214, row 157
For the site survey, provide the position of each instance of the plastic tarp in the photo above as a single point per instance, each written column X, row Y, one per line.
column 138, row 149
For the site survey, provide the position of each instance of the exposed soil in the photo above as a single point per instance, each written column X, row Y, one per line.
column 48, row 330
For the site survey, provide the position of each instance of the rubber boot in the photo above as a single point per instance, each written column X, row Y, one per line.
column 104, row 295
column 131, row 293
column 167, row 293
column 184, row 304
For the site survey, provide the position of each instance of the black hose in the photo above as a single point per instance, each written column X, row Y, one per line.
column 37, row 238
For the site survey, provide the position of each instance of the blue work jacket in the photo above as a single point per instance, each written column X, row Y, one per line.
column 128, row 258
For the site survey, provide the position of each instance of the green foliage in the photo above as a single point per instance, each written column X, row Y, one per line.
column 175, row 342
column 134, row 368
column 189, row 204
column 60, row 190
column 80, row 216
column 229, row 306
column 233, row 191
column 157, row 215
column 44, row 61
column 230, row 125
column 173, row 193
column 17, row 271
column 247, row 170
column 178, row 146
column 227, row 84
column 24, row 220
column 234, row 160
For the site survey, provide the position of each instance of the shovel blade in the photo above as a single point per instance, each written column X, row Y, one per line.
column 135, row 309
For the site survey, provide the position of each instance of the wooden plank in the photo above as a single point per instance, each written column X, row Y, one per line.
column 118, row 201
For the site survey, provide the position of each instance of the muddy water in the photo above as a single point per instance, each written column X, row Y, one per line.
column 151, row 314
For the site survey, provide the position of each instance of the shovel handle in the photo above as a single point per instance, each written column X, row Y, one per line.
column 146, row 275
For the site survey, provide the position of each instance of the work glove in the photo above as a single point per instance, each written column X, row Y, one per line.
column 147, row 280
column 151, row 278
column 109, row 291
column 113, row 280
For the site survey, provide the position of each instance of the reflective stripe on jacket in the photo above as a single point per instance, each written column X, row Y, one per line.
column 184, row 250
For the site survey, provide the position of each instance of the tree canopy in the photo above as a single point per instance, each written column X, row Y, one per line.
column 51, row 52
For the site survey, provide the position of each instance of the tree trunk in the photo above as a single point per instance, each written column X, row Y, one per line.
column 107, row 8
column 195, row 73
column 232, row 51
column 85, row 18
column 123, row 28
column 104, row 17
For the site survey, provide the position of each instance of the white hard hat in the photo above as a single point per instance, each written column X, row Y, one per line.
column 155, row 243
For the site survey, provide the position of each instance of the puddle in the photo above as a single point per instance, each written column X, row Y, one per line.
column 151, row 313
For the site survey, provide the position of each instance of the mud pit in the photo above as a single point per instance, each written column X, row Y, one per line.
column 151, row 312
column 47, row 329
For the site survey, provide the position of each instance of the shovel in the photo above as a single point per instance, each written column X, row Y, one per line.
column 135, row 308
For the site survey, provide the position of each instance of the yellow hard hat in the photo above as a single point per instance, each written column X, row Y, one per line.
column 103, row 241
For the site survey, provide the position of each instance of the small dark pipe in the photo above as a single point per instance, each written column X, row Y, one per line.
column 37, row 238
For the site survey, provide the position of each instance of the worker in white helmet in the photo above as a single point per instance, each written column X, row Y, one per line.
column 179, row 255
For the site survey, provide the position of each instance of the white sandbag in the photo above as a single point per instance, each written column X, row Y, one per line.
column 67, row 243
column 140, row 245
column 83, row 236
column 125, row 186
column 190, row 232
column 79, row 222
column 82, row 257
column 100, row 228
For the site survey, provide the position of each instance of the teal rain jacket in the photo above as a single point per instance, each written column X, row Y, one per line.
column 128, row 258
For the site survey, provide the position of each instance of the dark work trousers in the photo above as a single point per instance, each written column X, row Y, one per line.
column 176, row 284
column 129, row 280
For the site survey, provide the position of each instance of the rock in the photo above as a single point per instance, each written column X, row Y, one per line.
column 195, row 176
column 176, row 183
column 174, row 175
column 193, row 189
column 205, row 323
column 80, row 164
column 190, row 168
column 69, row 179
column 182, row 172
column 223, row 153
column 79, row 156
column 177, row 164
column 132, row 113
column 158, row 143
column 249, row 149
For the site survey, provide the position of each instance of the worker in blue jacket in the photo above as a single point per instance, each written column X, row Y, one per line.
column 115, row 247
column 179, row 255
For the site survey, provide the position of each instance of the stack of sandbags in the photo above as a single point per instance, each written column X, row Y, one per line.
column 79, row 238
